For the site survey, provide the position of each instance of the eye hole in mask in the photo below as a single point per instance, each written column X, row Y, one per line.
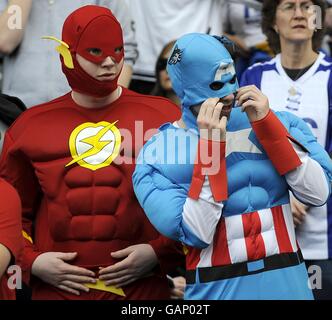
column 216, row 85
column 118, row 50
column 96, row 52
column 233, row 80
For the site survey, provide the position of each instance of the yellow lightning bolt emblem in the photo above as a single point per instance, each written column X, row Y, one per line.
column 97, row 145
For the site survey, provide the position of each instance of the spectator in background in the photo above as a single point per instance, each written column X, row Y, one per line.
column 243, row 26
column 327, row 41
column 31, row 68
column 11, row 241
column 159, row 22
column 10, row 109
column 299, row 80
column 163, row 86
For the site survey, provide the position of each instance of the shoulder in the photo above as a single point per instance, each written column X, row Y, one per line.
column 300, row 131
column 263, row 66
column 254, row 73
column 325, row 64
column 32, row 113
column 291, row 122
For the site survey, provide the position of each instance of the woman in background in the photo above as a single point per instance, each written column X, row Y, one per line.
column 299, row 80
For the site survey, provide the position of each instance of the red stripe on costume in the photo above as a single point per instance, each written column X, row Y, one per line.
column 211, row 161
column 252, row 233
column 220, row 255
column 192, row 258
column 280, row 227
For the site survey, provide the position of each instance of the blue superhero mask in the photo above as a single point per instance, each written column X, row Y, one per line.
column 200, row 67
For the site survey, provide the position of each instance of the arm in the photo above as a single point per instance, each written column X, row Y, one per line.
column 10, row 226
column 173, row 213
column 125, row 76
column 304, row 163
column 306, row 167
column 11, row 38
column 4, row 259
column 191, row 220
column 16, row 169
column 308, row 182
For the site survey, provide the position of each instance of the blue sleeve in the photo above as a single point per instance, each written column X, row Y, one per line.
column 161, row 198
column 300, row 131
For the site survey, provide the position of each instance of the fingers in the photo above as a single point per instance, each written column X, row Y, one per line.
column 223, row 123
column 298, row 217
column 249, row 95
column 249, row 103
column 122, row 253
column 216, row 112
column 209, row 110
column 299, row 211
column 207, row 106
column 114, row 275
column 79, row 279
column 68, row 289
column 177, row 294
column 120, row 266
column 253, row 102
column 121, row 281
column 296, row 221
column 300, row 207
column 246, row 89
column 74, row 286
column 66, row 256
column 70, row 269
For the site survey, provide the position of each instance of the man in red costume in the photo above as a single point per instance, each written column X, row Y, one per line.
column 10, row 235
column 86, row 237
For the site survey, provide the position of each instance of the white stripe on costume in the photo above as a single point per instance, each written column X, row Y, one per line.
column 268, row 232
column 235, row 238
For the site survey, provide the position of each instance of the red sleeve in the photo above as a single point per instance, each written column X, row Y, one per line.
column 17, row 170
column 10, row 219
column 10, row 232
column 169, row 252
column 211, row 156
column 275, row 140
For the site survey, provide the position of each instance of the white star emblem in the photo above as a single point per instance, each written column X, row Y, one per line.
column 238, row 141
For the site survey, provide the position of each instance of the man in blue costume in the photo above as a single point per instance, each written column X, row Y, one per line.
column 218, row 180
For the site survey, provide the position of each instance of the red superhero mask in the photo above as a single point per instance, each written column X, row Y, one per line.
column 92, row 28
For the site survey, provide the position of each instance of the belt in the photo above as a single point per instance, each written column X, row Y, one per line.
column 278, row 261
